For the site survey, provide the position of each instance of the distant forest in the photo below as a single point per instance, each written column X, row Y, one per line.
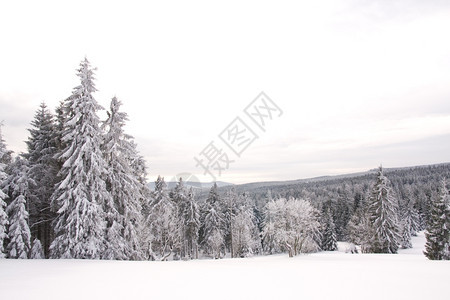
column 346, row 194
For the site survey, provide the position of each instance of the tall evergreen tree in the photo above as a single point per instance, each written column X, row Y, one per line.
column 81, row 193
column 214, row 240
column 3, row 216
column 161, row 223
column 229, row 210
column 41, row 153
column 409, row 224
column 123, row 210
column 178, row 196
column 405, row 231
column 19, row 245
column 139, row 170
column 213, row 226
column 191, row 218
column 409, row 212
column 383, row 236
column 342, row 212
column 3, row 221
column 357, row 228
column 329, row 242
column 36, row 250
column 188, row 221
column 438, row 230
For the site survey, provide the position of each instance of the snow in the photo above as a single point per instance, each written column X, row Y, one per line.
column 324, row 275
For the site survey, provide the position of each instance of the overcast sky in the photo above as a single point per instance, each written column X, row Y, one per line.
column 359, row 83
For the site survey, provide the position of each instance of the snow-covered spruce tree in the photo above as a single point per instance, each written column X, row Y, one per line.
column 213, row 241
column 123, row 209
column 3, row 221
column 405, row 239
column 229, row 210
column 36, row 250
column 409, row 222
column 81, row 193
column 437, row 233
column 329, row 242
column 43, row 170
column 161, row 223
column 342, row 212
column 410, row 215
column 19, row 245
column 383, row 236
column 191, row 217
column 213, row 198
column 178, row 196
column 3, row 216
column 188, row 215
column 357, row 227
column 139, row 171
column 422, row 204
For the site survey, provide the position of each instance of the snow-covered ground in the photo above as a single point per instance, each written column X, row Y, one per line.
column 326, row 275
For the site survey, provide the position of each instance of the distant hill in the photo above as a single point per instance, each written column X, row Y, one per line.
column 258, row 188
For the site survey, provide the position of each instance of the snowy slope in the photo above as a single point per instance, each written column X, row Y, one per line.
column 326, row 275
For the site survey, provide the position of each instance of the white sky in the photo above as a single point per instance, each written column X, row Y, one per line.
column 360, row 82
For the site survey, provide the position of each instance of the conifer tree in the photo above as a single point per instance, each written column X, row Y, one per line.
column 408, row 211
column 383, row 236
column 188, row 227
column 341, row 213
column 3, row 216
column 43, row 170
column 229, row 211
column 161, row 223
column 178, row 196
column 409, row 222
column 18, row 232
column 329, row 242
column 3, row 222
column 123, row 210
column 357, row 227
column 214, row 240
column 405, row 241
column 191, row 218
column 438, row 233
column 213, row 225
column 36, row 250
column 81, row 193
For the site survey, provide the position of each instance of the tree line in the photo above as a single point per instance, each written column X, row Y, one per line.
column 80, row 191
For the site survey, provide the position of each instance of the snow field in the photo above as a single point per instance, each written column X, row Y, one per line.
column 325, row 275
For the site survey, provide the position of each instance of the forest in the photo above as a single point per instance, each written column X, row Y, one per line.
column 80, row 192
